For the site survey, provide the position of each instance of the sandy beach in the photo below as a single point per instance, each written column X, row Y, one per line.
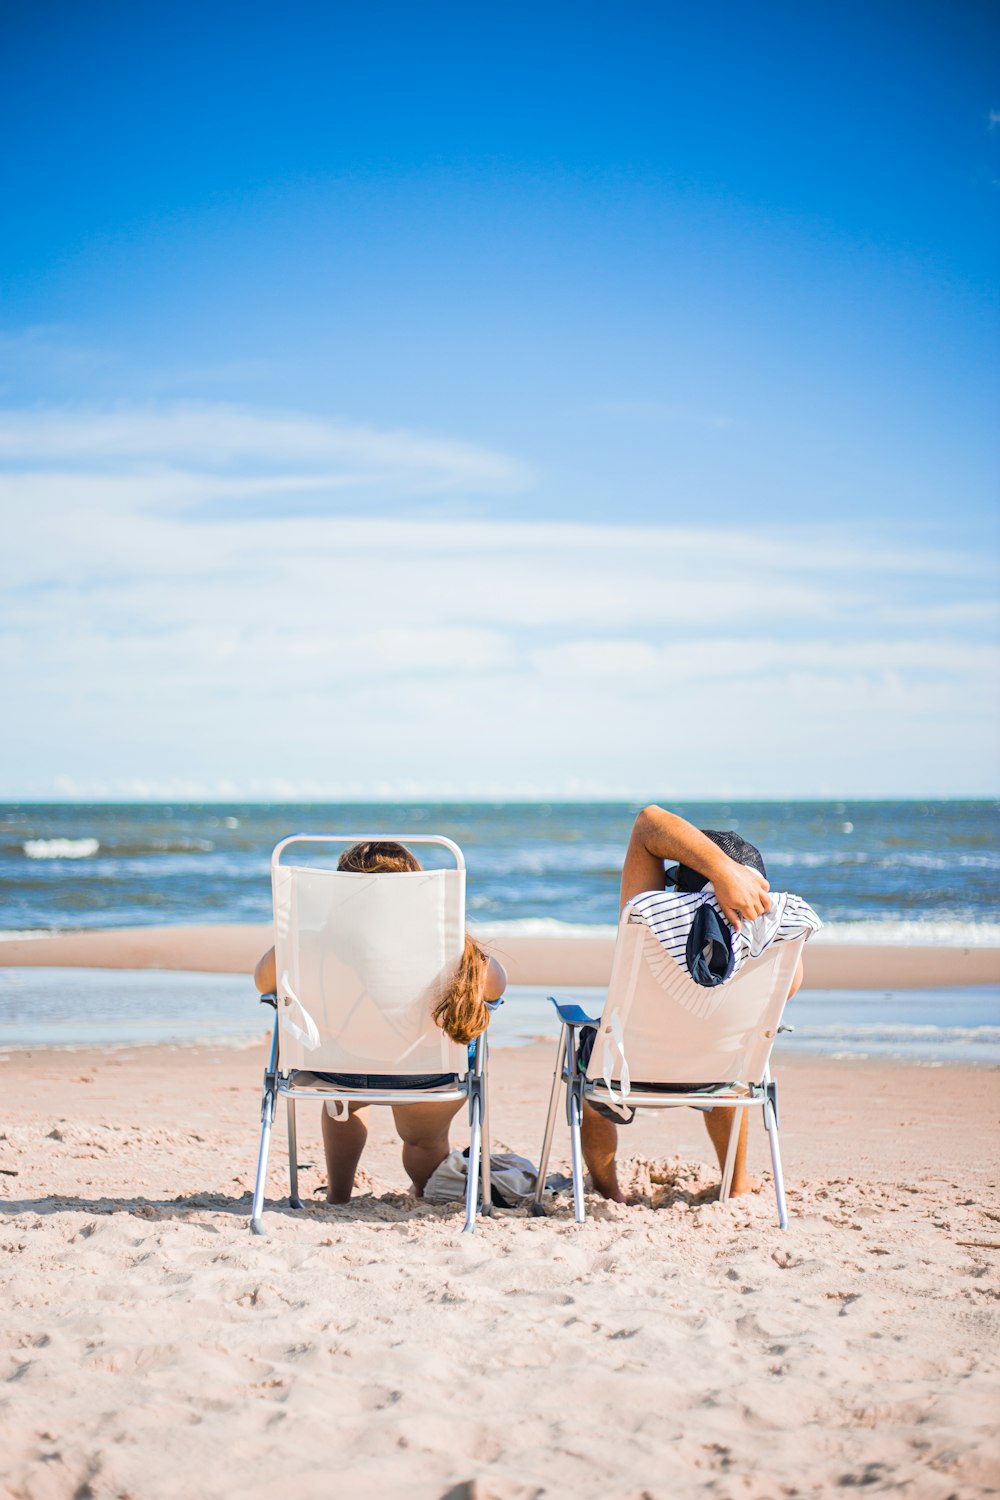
column 233, row 948
column 670, row 1347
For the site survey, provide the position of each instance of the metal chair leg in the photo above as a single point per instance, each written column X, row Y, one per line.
column 475, row 1147
column 771, row 1126
column 293, row 1154
column 576, row 1147
column 267, row 1104
column 550, row 1124
column 484, row 1104
column 267, row 1118
column 730, row 1162
column 574, row 1114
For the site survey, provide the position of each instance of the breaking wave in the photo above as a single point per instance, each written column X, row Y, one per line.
column 60, row 848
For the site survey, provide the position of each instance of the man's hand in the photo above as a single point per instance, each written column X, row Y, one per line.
column 741, row 892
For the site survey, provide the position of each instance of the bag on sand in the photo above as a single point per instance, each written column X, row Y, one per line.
column 512, row 1179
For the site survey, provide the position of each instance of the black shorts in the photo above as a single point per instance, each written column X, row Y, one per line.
column 379, row 1080
column 584, row 1049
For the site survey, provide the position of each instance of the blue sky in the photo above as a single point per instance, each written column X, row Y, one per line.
column 567, row 399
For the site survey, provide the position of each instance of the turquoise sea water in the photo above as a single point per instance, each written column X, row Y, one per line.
column 882, row 864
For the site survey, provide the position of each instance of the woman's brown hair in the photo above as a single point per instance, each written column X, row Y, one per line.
column 375, row 858
column 461, row 1012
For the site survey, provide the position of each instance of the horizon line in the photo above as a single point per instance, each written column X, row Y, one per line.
column 482, row 800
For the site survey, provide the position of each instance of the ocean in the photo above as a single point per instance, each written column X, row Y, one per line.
column 920, row 871
column 913, row 872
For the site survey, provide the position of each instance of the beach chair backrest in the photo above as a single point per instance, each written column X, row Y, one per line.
column 672, row 1030
column 361, row 961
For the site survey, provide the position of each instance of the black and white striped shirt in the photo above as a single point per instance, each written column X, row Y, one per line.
column 669, row 914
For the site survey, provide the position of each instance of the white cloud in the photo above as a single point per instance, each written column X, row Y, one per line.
column 145, row 649
column 222, row 435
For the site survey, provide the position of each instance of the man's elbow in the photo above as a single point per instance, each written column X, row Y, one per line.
column 646, row 823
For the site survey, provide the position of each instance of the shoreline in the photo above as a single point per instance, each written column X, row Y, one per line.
column 234, row 948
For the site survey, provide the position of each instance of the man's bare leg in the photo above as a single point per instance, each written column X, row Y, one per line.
column 719, row 1123
column 423, row 1129
column 599, row 1139
column 343, row 1143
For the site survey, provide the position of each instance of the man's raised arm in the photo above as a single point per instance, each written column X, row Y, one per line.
column 658, row 836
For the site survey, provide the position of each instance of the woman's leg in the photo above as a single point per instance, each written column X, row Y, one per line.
column 423, row 1129
column 343, row 1142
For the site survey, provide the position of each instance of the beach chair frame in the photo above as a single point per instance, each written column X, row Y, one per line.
column 473, row 1086
column 757, row 1090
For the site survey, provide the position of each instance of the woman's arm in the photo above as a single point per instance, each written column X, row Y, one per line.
column 658, row 836
column 265, row 976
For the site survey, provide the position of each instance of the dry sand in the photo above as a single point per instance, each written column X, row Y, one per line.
column 234, row 948
column 669, row 1348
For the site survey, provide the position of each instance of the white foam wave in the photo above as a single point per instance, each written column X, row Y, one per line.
column 547, row 927
column 864, row 934
column 60, row 848
column 808, row 859
column 913, row 934
column 880, row 1031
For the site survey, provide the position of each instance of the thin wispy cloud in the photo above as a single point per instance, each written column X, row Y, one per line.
column 150, row 646
column 179, row 438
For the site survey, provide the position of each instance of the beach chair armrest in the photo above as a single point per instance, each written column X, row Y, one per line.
column 270, row 999
column 572, row 1015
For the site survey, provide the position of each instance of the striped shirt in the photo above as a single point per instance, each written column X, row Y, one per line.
column 669, row 914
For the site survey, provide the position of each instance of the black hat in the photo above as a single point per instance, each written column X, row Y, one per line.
column 744, row 853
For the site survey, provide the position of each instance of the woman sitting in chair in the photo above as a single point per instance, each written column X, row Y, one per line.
column 463, row 1012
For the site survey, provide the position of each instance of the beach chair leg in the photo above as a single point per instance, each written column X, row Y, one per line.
column 486, row 1180
column 267, row 1104
column 771, row 1126
column 266, row 1121
column 293, row 1155
column 574, row 1112
column 576, row 1147
column 475, row 1149
column 550, row 1125
column 730, row 1162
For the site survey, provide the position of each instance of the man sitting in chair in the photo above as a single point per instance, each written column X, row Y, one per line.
column 716, row 873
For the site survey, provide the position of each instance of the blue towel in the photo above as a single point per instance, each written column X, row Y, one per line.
column 710, row 957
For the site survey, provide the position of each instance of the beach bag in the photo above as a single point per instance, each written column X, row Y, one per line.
column 512, row 1179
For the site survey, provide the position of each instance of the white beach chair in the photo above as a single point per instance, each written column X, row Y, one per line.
column 360, row 963
column 690, row 1044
